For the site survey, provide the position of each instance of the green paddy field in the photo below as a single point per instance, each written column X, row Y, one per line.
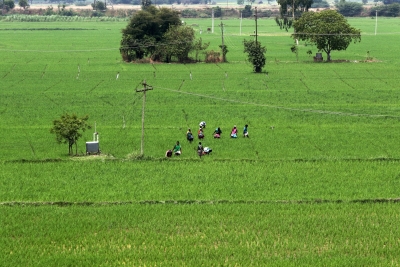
column 316, row 184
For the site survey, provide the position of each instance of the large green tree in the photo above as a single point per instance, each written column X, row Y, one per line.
column 23, row 4
column 145, row 29
column 99, row 5
column 68, row 129
column 255, row 54
column 289, row 10
column 7, row 4
column 177, row 42
column 327, row 29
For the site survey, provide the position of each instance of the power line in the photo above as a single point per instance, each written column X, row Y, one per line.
column 339, row 113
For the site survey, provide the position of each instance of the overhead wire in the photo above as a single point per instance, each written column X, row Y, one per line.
column 339, row 113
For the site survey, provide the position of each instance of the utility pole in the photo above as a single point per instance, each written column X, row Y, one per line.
column 223, row 45
column 145, row 88
column 255, row 34
column 376, row 20
column 241, row 17
column 212, row 20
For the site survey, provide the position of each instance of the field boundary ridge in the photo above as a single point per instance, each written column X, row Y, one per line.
column 196, row 202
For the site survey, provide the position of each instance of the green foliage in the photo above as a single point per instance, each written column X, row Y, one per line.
column 255, row 54
column 240, row 2
column 68, row 129
column 365, row 2
column 199, row 46
column 217, row 12
column 247, row 12
column 189, row 13
column 145, row 4
column 327, row 29
column 49, row 11
column 99, row 6
column 7, row 5
column 225, row 51
column 178, row 42
column 145, row 29
column 349, row 9
column 23, row 4
column 289, row 10
column 389, row 2
column 392, row 10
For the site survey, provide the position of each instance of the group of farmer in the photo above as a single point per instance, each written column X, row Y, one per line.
column 217, row 133
column 177, row 149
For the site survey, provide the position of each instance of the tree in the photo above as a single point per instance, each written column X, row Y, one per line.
column 289, row 10
column 240, row 2
column 8, row 5
column 68, row 129
column 255, row 54
column 145, row 4
column 145, row 29
column 247, row 12
column 217, row 12
column 225, row 51
column 392, row 10
column 199, row 46
column 327, row 29
column 178, row 42
column 349, row 9
column 99, row 5
column 23, row 4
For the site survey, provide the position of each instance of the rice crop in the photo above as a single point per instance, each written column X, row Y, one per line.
column 315, row 184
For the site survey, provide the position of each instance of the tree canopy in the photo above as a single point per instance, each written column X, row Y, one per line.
column 23, row 4
column 327, row 29
column 289, row 10
column 349, row 9
column 8, row 5
column 177, row 42
column 255, row 54
column 145, row 29
column 68, row 129
column 160, row 35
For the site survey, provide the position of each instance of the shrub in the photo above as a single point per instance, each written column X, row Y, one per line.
column 213, row 57
column 349, row 9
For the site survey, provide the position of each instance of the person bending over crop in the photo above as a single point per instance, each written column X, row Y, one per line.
column 200, row 133
column 245, row 131
column 200, row 150
column 177, row 149
column 189, row 135
column 217, row 133
column 234, row 132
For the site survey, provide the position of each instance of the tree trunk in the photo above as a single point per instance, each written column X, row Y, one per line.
column 328, row 54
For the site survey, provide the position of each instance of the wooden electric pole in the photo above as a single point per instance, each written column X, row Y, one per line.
column 145, row 88
column 255, row 33
column 223, row 44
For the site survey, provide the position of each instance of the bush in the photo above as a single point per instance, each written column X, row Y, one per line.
column 213, row 57
column 349, row 9
column 265, row 14
column 392, row 10
column 189, row 13
column 8, row 5
column 247, row 12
